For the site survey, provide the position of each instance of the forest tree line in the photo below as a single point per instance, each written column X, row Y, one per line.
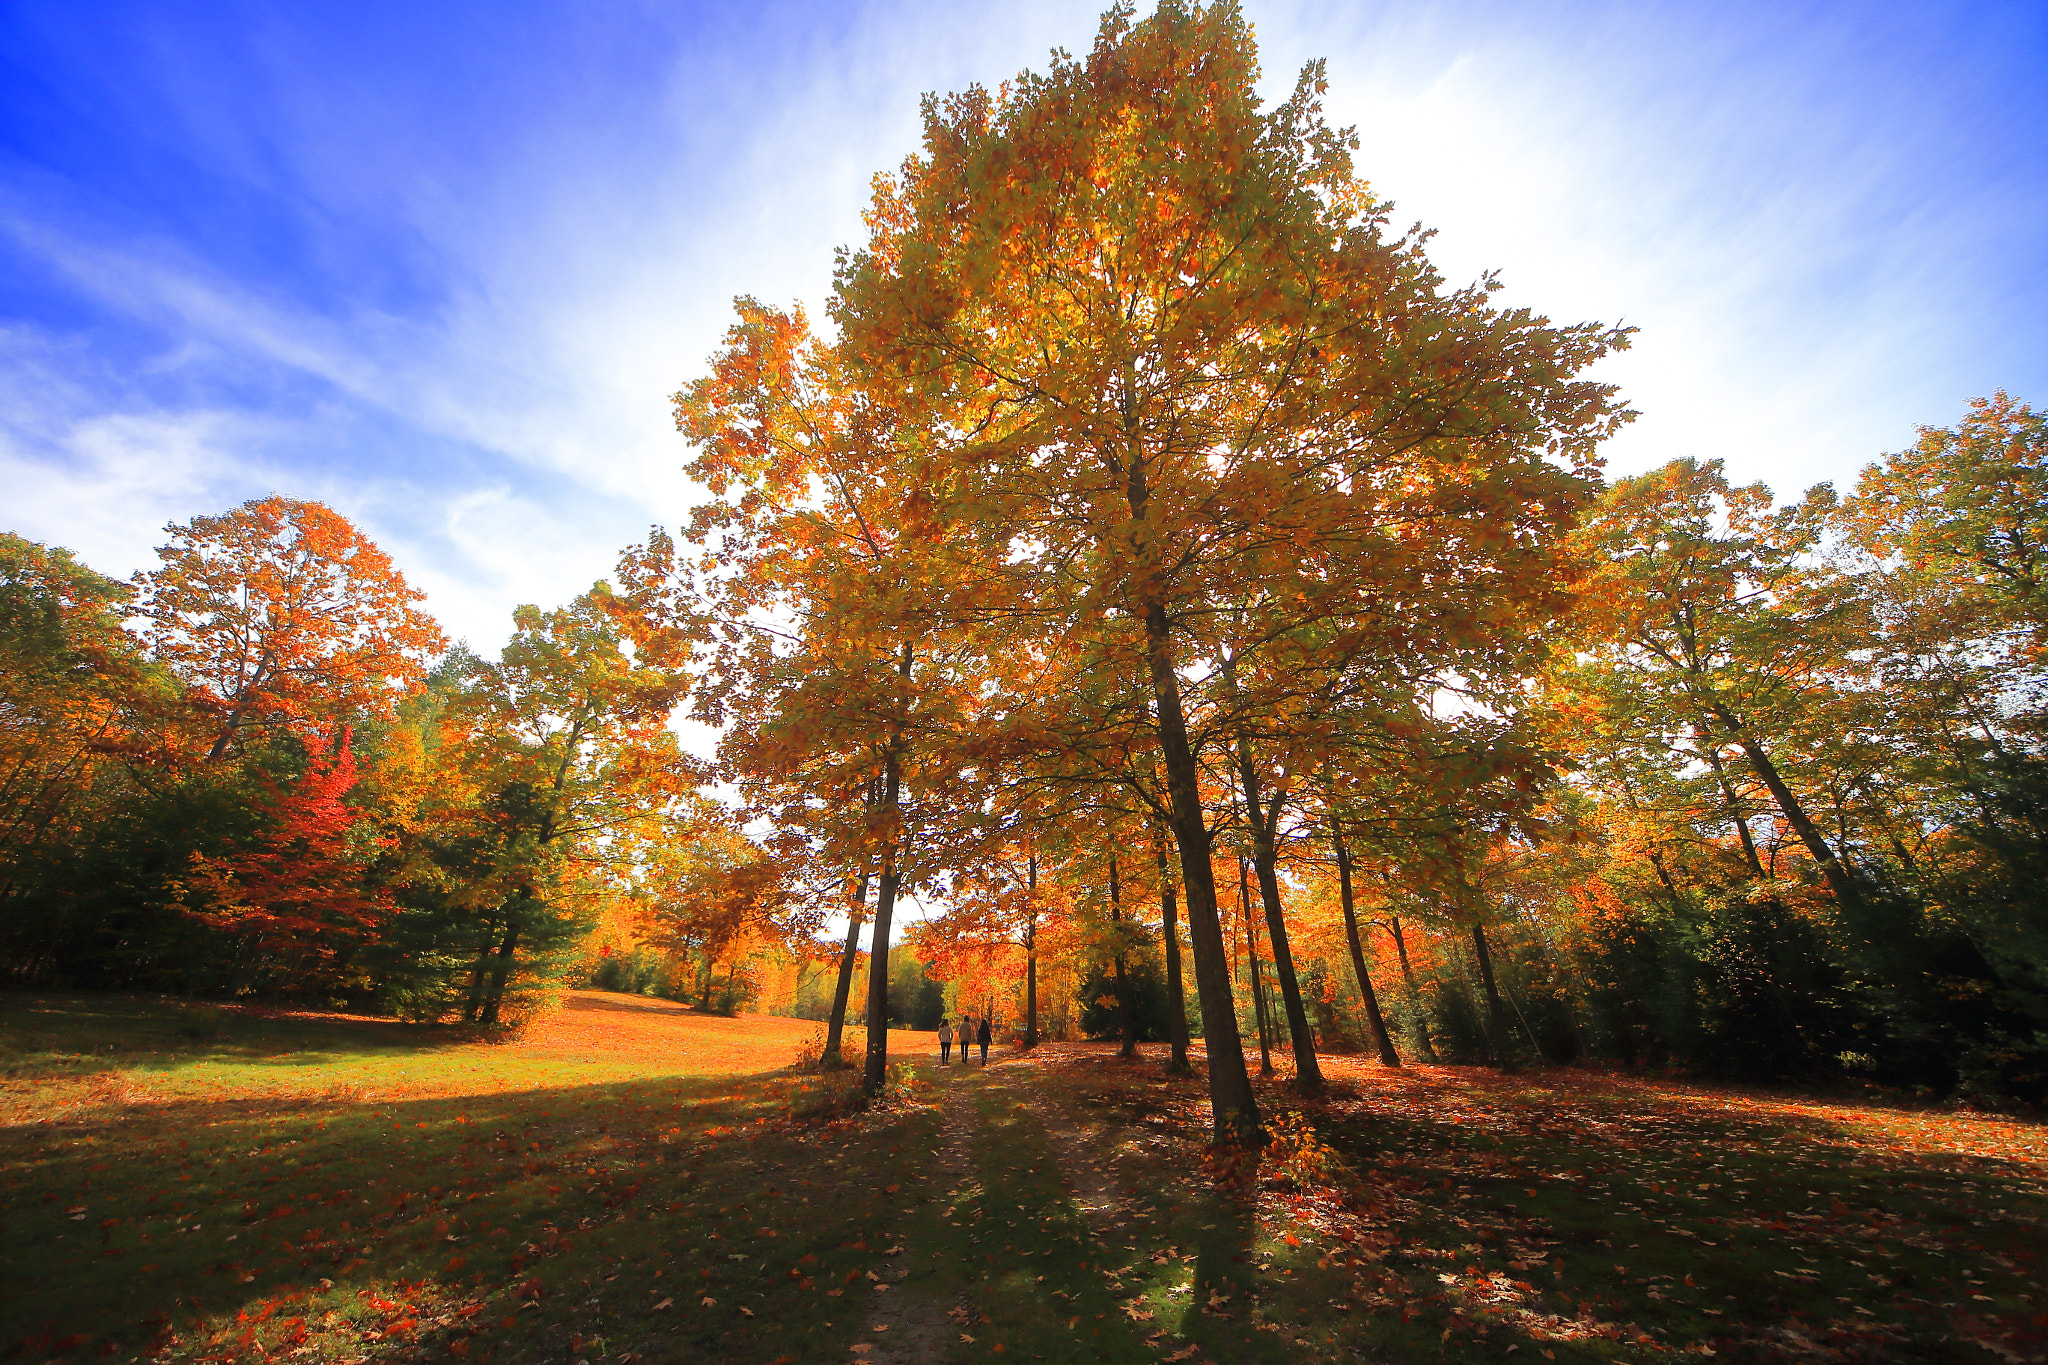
column 1223, row 623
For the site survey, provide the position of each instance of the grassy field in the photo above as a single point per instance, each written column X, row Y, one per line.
column 631, row 1181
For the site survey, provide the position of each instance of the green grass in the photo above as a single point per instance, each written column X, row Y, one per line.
column 258, row 1213
column 1589, row 1222
column 167, row 1050
column 630, row 1182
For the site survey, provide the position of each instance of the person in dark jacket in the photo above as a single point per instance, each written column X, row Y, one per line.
column 981, row 1036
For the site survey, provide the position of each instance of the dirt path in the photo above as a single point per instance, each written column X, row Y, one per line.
column 910, row 1321
column 1123, row 1225
column 1097, row 1192
column 920, row 1313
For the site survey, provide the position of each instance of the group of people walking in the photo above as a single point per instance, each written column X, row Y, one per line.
column 969, row 1034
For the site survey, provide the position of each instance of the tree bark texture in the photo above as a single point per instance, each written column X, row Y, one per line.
column 1234, row 1108
column 1251, row 953
column 1840, row 879
column 1176, row 1001
column 1308, row 1073
column 1496, row 1017
column 875, row 1074
column 1416, row 1013
column 1127, row 1027
column 1388, row 1057
column 501, row 971
column 842, row 989
column 1031, row 955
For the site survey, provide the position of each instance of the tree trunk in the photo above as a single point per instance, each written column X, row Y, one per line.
column 1127, row 1030
column 501, row 970
column 842, row 990
column 1415, row 1011
column 1308, row 1072
column 1264, row 822
column 1176, row 1002
column 1749, row 853
column 1233, row 1108
column 1031, row 953
column 1756, row 869
column 1840, row 879
column 835, row 1027
column 1527, row 1032
column 876, row 1074
column 1388, row 1057
column 1251, row 955
column 479, row 973
column 1496, row 1017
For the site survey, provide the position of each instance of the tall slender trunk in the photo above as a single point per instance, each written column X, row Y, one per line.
column 1388, row 1057
column 1031, row 952
column 1779, row 995
column 1234, row 1110
column 1264, row 822
column 1176, row 1002
column 1496, row 1017
column 1749, row 853
column 1416, row 1013
column 842, row 990
column 876, row 1074
column 1236, row 966
column 1515, row 1003
column 1848, row 891
column 1251, row 954
column 1127, row 1024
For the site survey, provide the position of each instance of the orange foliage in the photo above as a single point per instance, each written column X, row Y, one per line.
column 281, row 612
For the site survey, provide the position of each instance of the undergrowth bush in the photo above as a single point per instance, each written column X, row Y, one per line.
column 1298, row 1158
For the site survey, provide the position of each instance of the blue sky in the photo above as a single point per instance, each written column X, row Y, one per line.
column 441, row 264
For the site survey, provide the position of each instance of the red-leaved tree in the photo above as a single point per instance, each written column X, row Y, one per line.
column 297, row 897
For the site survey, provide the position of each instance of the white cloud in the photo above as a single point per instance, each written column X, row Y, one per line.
column 507, row 439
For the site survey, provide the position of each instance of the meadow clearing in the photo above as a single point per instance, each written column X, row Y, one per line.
column 632, row 1181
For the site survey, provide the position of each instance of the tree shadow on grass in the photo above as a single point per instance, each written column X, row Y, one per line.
column 76, row 1036
column 1747, row 1230
column 496, row 1223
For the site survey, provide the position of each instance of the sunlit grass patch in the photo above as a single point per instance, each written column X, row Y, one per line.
column 553, row 1199
column 261, row 1212
column 1599, row 1218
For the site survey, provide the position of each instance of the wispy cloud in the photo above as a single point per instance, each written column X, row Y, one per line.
column 444, row 270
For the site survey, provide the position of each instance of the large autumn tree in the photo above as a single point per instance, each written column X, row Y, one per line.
column 281, row 612
column 823, row 609
column 555, row 759
column 88, row 726
column 1707, row 623
column 1179, row 357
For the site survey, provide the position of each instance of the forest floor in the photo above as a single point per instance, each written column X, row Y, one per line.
column 631, row 1181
